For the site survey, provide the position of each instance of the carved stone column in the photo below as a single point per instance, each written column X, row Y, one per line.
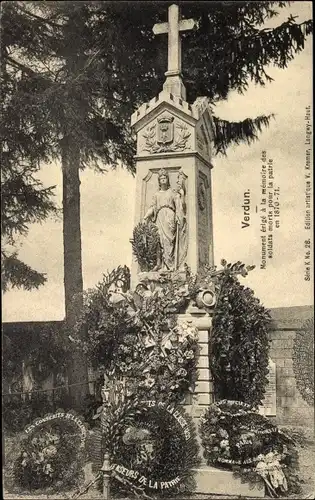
column 197, row 402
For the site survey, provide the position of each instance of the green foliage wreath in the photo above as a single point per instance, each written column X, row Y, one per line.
column 303, row 361
column 170, row 453
column 145, row 245
column 239, row 342
column 237, row 438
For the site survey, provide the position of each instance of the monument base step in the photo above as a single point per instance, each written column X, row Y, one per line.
column 223, row 482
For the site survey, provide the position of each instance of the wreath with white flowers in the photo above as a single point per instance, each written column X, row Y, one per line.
column 49, row 455
column 137, row 337
column 236, row 437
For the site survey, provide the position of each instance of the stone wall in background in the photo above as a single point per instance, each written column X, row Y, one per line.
column 291, row 407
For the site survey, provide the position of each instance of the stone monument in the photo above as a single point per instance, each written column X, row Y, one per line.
column 173, row 190
column 174, row 138
column 173, row 185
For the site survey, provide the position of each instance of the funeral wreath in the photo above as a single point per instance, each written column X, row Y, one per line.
column 152, row 445
column 49, row 456
column 237, row 438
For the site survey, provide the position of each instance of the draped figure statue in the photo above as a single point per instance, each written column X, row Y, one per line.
column 168, row 212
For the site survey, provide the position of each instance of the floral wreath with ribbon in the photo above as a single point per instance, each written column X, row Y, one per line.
column 49, row 455
column 152, row 445
column 235, row 436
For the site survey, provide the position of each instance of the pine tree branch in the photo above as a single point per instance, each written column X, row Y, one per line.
column 24, row 201
column 17, row 274
column 277, row 45
column 227, row 133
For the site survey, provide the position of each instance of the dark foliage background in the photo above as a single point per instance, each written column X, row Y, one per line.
column 239, row 344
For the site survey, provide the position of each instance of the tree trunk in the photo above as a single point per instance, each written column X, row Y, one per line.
column 73, row 281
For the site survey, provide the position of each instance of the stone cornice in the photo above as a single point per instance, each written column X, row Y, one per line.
column 176, row 154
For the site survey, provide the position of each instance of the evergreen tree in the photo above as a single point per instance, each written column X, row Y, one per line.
column 25, row 144
column 75, row 71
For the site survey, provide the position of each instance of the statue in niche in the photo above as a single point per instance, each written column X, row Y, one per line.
column 168, row 212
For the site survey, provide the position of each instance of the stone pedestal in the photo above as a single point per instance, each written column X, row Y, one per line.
column 210, row 480
column 197, row 403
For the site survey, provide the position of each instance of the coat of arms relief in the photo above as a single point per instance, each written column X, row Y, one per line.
column 165, row 135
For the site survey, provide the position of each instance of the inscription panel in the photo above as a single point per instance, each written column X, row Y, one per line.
column 202, row 144
column 269, row 406
column 203, row 220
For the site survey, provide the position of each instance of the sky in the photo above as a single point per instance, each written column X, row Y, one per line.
column 108, row 202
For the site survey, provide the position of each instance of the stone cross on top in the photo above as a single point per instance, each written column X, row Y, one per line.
column 174, row 84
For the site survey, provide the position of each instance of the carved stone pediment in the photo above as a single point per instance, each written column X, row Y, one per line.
column 164, row 134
